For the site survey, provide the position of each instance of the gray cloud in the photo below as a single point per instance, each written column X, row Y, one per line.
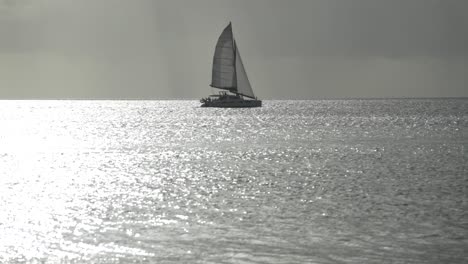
column 359, row 27
column 163, row 48
column 273, row 27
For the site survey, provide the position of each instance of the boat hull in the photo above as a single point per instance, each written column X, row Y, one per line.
column 232, row 103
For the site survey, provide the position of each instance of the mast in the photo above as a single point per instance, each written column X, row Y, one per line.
column 234, row 49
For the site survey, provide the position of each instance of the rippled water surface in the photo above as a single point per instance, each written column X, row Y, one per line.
column 345, row 181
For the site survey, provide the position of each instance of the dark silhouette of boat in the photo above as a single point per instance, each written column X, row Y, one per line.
column 229, row 74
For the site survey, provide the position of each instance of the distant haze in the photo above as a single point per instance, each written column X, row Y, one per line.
column 294, row 49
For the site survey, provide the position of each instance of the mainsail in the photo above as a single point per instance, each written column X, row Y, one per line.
column 228, row 69
column 224, row 69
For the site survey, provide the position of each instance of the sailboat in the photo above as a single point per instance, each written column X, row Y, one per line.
column 229, row 75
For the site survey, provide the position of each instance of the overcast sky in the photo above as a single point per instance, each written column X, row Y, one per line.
column 158, row 49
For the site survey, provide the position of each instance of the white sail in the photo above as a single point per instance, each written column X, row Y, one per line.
column 243, row 84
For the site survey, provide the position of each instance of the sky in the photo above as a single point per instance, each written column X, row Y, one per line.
column 294, row 49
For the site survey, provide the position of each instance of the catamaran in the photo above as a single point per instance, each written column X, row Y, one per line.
column 229, row 75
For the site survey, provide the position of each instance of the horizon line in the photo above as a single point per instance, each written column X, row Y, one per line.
column 264, row 99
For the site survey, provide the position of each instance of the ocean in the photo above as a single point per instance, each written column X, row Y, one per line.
column 318, row 181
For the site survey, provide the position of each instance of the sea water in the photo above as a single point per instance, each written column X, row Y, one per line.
column 320, row 181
